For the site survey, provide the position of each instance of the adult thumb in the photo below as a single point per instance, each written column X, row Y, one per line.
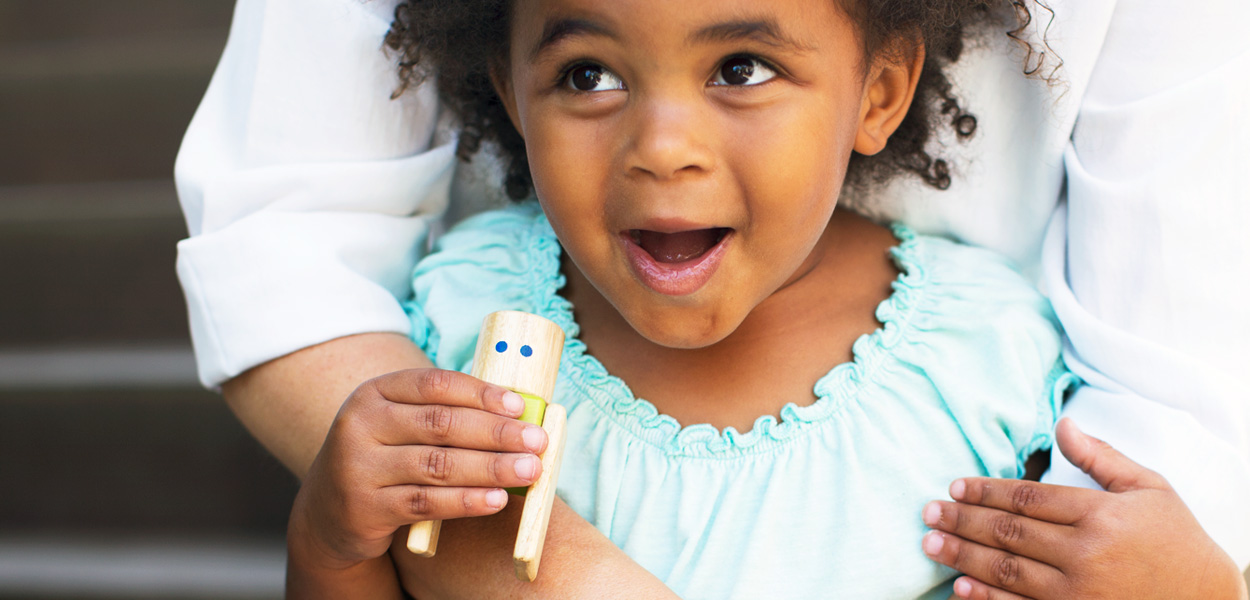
column 1106, row 465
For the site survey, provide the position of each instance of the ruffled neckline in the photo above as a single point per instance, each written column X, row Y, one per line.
column 640, row 417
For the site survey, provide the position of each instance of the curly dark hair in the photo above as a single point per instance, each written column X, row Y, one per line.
column 462, row 39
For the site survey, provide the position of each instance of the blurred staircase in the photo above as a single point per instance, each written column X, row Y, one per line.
column 119, row 476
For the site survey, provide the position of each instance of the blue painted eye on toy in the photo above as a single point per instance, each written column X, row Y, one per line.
column 502, row 346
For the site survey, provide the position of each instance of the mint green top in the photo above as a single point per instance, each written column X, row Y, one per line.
column 963, row 379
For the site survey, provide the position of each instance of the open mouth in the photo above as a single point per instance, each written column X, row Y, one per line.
column 676, row 263
column 678, row 247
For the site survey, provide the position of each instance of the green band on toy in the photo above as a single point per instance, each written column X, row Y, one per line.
column 535, row 408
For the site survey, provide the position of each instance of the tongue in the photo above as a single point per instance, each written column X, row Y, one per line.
column 677, row 247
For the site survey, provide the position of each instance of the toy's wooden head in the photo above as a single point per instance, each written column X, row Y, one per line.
column 519, row 351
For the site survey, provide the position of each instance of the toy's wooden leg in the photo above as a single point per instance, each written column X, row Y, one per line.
column 537, row 509
column 423, row 537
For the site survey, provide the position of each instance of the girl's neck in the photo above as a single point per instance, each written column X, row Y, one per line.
column 797, row 335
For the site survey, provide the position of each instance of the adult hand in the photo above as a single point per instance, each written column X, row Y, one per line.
column 1020, row 539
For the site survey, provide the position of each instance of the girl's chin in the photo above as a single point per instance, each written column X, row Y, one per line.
column 682, row 329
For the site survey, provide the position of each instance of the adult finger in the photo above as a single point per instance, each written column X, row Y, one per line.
column 971, row 589
column 455, row 467
column 1054, row 503
column 1106, row 465
column 439, row 425
column 406, row 504
column 1040, row 540
column 449, row 388
column 998, row 568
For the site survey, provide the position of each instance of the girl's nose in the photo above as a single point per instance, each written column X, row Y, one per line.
column 669, row 138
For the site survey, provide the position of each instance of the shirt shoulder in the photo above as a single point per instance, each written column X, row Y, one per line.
column 496, row 260
column 988, row 346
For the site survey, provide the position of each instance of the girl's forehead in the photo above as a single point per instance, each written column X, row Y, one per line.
column 793, row 24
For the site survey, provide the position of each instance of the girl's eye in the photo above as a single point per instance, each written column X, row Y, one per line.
column 593, row 78
column 743, row 70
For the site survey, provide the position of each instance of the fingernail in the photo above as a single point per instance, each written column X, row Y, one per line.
column 932, row 512
column 932, row 543
column 513, row 403
column 533, row 438
column 957, row 489
column 963, row 589
column 496, row 498
column 526, row 467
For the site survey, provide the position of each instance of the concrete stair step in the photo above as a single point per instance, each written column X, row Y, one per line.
column 127, row 462
column 90, row 264
column 96, row 91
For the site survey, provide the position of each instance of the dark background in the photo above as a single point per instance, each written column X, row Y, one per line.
column 119, row 476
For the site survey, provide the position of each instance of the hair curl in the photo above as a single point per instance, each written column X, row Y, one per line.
column 463, row 39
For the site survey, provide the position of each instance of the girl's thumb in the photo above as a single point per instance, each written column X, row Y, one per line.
column 1106, row 465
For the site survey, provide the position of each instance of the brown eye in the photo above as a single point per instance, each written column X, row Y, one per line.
column 593, row 78
column 743, row 70
column 737, row 71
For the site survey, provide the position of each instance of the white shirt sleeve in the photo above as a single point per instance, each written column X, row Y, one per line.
column 1148, row 267
column 307, row 190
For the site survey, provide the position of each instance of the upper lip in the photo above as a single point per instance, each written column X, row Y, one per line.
column 672, row 225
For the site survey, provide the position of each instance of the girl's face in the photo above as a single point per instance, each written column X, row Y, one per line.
column 689, row 154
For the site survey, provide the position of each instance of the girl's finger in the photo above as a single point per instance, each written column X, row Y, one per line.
column 998, row 568
column 438, row 425
column 404, row 504
column 1039, row 540
column 971, row 589
column 450, row 388
column 1106, row 465
column 455, row 467
column 1054, row 503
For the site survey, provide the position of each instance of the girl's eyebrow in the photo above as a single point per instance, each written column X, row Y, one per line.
column 556, row 30
column 765, row 31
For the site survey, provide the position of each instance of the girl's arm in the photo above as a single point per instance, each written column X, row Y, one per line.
column 289, row 404
column 371, row 580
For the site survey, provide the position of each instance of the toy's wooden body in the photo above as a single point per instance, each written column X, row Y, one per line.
column 521, row 352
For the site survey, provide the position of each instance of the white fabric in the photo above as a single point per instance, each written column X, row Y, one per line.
column 303, row 185
column 305, row 189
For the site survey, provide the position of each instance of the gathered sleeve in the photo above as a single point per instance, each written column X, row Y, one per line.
column 307, row 190
column 484, row 264
column 990, row 345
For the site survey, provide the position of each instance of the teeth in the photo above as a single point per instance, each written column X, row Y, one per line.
column 636, row 236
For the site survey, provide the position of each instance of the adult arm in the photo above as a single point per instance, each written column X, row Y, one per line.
column 1147, row 266
column 577, row 562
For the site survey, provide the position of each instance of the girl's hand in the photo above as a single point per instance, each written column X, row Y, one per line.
column 409, row 446
column 1020, row 539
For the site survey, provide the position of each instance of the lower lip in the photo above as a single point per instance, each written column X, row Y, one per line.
column 675, row 279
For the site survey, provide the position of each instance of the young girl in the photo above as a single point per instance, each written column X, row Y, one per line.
column 763, row 391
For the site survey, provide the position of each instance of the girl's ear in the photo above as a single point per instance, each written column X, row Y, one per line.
column 503, row 88
column 888, row 93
